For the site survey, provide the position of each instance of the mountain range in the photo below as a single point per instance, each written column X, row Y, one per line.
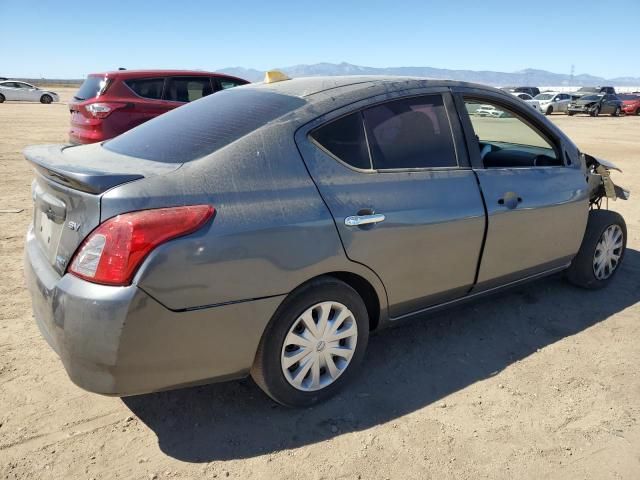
column 527, row 77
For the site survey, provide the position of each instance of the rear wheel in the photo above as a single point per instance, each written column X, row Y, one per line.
column 46, row 99
column 601, row 252
column 571, row 114
column 638, row 111
column 2, row 98
column 549, row 110
column 313, row 344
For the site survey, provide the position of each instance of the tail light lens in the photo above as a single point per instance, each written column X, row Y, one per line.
column 103, row 109
column 112, row 253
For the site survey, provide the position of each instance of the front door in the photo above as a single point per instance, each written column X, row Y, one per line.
column 536, row 201
column 396, row 179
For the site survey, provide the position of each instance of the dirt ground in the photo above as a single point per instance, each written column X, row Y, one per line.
column 542, row 382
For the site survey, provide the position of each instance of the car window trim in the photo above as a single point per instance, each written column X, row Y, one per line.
column 474, row 151
column 457, row 136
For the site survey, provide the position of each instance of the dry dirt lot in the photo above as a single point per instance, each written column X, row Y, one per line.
column 542, row 382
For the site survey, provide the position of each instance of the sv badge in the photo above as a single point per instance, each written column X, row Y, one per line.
column 75, row 226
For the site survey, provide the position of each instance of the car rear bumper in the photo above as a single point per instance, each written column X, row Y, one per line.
column 120, row 341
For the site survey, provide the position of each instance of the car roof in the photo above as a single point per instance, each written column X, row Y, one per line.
column 308, row 87
column 159, row 73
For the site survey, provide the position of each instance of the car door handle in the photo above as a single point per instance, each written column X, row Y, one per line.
column 510, row 200
column 359, row 220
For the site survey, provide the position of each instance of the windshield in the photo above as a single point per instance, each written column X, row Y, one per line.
column 589, row 89
column 544, row 96
column 204, row 126
column 592, row 97
column 629, row 97
column 92, row 87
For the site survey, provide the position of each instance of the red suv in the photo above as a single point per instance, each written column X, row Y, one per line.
column 630, row 103
column 111, row 103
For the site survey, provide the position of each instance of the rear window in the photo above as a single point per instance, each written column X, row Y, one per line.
column 200, row 128
column 147, row 87
column 91, row 87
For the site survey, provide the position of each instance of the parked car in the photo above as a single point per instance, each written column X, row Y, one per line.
column 268, row 229
column 595, row 105
column 14, row 90
column 581, row 92
column 551, row 102
column 108, row 104
column 533, row 91
column 488, row 111
column 630, row 104
column 528, row 99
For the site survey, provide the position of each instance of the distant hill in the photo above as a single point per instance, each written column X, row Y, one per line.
column 528, row 76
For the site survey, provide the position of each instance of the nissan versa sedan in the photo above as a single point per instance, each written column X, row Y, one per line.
column 14, row 90
column 269, row 228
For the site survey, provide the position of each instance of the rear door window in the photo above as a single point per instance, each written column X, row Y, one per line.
column 147, row 87
column 187, row 89
column 228, row 83
column 410, row 133
column 345, row 139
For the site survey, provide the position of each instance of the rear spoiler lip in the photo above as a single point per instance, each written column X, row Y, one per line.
column 48, row 160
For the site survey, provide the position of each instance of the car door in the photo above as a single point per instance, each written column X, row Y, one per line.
column 406, row 203
column 10, row 91
column 26, row 92
column 534, row 190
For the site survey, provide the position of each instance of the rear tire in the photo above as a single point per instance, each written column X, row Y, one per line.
column 2, row 98
column 294, row 385
column 605, row 237
column 571, row 114
column 638, row 112
column 549, row 111
column 46, row 99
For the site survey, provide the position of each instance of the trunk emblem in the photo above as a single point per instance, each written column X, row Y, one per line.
column 75, row 226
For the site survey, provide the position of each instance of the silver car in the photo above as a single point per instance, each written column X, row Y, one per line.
column 13, row 90
column 551, row 102
column 269, row 228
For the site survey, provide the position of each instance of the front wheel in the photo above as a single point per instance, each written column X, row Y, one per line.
column 616, row 112
column 313, row 345
column 595, row 112
column 46, row 99
column 571, row 114
column 549, row 110
column 601, row 252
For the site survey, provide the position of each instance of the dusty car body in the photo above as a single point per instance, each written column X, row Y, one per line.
column 302, row 214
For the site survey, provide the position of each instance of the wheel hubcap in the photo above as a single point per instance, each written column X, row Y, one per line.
column 319, row 346
column 608, row 252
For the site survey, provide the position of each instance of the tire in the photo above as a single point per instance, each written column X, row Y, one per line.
column 582, row 271
column 637, row 111
column 2, row 99
column 616, row 112
column 268, row 369
column 549, row 110
column 46, row 99
column 571, row 114
column 595, row 112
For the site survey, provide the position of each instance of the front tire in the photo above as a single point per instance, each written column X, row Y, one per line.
column 571, row 114
column 549, row 110
column 46, row 99
column 595, row 112
column 602, row 250
column 313, row 345
column 616, row 112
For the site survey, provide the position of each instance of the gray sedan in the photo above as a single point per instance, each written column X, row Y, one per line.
column 267, row 229
column 25, row 92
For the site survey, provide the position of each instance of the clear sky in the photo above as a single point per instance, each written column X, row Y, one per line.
column 70, row 38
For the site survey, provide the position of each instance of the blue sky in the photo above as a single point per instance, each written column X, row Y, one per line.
column 68, row 39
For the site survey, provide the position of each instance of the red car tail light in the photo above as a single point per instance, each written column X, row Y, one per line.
column 103, row 109
column 112, row 253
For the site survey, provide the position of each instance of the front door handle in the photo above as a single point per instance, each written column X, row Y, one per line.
column 359, row 220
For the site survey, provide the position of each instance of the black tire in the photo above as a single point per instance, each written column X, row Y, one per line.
column 581, row 272
column 549, row 110
column 46, row 99
column 595, row 112
column 616, row 112
column 267, row 371
column 571, row 114
column 2, row 98
column 638, row 112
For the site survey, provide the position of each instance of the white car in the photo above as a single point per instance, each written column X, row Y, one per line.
column 553, row 102
column 489, row 111
column 525, row 97
column 25, row 92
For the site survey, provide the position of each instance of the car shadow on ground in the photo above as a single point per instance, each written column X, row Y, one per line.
column 406, row 368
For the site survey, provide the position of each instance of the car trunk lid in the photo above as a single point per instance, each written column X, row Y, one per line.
column 67, row 193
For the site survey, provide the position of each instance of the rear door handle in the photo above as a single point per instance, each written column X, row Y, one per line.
column 510, row 200
column 359, row 220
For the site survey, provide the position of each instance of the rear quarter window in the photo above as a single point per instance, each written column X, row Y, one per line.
column 345, row 139
column 200, row 128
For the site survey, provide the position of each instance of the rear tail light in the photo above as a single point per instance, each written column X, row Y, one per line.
column 112, row 253
column 103, row 109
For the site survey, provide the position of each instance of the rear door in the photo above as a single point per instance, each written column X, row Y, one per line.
column 11, row 91
column 406, row 203
column 535, row 193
